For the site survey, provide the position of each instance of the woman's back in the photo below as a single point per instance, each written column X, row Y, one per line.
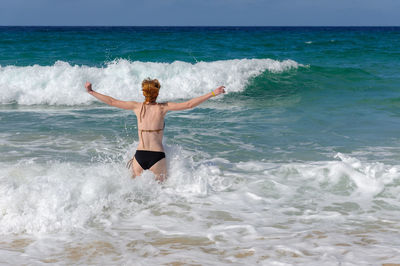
column 150, row 119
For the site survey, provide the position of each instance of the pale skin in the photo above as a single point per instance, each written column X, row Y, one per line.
column 153, row 119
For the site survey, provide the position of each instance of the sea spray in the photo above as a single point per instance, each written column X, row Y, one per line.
column 62, row 83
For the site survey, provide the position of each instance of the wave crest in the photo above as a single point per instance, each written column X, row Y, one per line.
column 63, row 84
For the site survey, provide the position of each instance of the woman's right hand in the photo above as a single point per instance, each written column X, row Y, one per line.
column 88, row 86
column 219, row 90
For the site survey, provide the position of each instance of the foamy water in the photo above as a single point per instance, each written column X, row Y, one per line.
column 211, row 211
column 61, row 84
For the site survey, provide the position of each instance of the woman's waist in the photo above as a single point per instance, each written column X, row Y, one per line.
column 150, row 147
column 149, row 152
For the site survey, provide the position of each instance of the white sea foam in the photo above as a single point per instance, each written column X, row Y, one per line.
column 63, row 196
column 310, row 212
column 63, row 84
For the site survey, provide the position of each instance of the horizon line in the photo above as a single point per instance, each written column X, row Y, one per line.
column 210, row 26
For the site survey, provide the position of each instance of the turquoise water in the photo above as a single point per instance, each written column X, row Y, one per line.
column 296, row 163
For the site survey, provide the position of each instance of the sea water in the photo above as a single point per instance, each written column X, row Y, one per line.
column 298, row 163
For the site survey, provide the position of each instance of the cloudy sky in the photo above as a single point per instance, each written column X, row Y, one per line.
column 200, row 12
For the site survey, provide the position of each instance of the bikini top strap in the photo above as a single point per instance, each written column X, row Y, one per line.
column 153, row 130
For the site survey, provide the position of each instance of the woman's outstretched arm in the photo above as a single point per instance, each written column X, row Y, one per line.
column 170, row 106
column 127, row 105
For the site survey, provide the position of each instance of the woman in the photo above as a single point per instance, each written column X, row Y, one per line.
column 150, row 116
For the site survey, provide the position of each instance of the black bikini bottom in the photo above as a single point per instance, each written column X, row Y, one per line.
column 147, row 159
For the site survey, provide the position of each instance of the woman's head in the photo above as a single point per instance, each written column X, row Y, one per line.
column 150, row 88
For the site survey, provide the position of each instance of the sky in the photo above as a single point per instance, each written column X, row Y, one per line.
column 200, row 12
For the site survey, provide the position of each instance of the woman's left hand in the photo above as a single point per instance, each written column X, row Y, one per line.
column 219, row 90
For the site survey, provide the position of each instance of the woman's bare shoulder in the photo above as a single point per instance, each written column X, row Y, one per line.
column 163, row 107
column 163, row 104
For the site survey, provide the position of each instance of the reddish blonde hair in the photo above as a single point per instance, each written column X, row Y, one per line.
column 150, row 88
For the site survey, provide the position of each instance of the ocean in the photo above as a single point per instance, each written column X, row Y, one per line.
column 297, row 164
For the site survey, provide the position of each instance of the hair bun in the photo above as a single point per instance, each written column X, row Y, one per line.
column 150, row 88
